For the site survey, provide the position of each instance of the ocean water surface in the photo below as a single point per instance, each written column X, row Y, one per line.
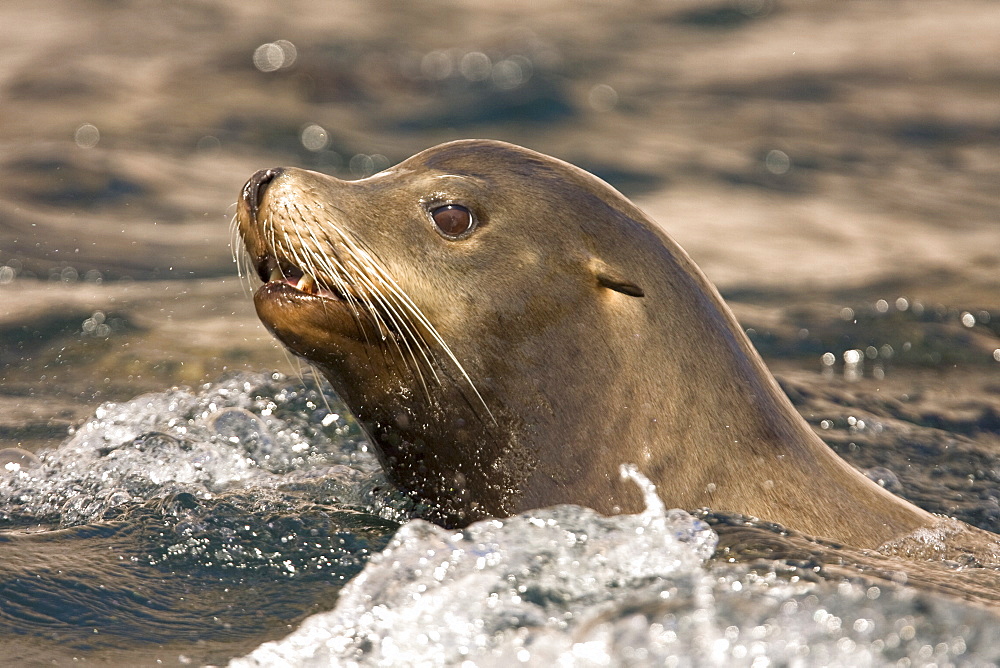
column 190, row 526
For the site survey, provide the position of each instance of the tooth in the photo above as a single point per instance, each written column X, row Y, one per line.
column 307, row 284
column 275, row 274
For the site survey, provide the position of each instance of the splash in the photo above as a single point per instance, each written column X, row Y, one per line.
column 248, row 431
column 494, row 588
column 568, row 587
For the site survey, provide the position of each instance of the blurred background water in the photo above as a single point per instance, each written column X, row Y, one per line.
column 832, row 167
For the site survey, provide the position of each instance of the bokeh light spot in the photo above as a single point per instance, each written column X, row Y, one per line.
column 274, row 56
column 777, row 162
column 87, row 136
column 602, row 97
column 315, row 138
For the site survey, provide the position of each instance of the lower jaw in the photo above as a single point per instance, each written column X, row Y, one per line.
column 311, row 325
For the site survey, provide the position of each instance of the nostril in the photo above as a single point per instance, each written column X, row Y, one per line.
column 254, row 189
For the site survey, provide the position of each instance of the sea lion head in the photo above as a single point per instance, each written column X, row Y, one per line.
column 454, row 301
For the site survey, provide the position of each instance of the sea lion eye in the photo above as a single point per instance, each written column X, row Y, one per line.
column 453, row 220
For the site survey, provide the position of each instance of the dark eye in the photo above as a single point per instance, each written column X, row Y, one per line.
column 452, row 220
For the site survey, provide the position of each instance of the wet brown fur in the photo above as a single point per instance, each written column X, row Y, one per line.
column 540, row 306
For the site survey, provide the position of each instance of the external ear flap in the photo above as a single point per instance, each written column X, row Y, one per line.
column 619, row 284
column 611, row 279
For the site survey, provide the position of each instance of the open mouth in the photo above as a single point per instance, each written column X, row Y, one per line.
column 292, row 301
column 273, row 271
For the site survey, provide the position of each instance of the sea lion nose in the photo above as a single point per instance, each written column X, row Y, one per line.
column 254, row 189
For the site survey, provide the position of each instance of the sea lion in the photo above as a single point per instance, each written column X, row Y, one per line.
column 509, row 330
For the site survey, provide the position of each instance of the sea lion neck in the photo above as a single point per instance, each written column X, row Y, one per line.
column 709, row 424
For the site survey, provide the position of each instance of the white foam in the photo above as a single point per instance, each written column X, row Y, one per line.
column 567, row 587
column 251, row 430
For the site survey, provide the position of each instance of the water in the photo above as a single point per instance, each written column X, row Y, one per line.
column 183, row 518
column 190, row 526
column 832, row 169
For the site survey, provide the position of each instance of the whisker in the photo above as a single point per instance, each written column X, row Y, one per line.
column 409, row 336
column 366, row 286
column 241, row 257
column 335, row 276
column 334, row 269
column 317, row 377
column 414, row 310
